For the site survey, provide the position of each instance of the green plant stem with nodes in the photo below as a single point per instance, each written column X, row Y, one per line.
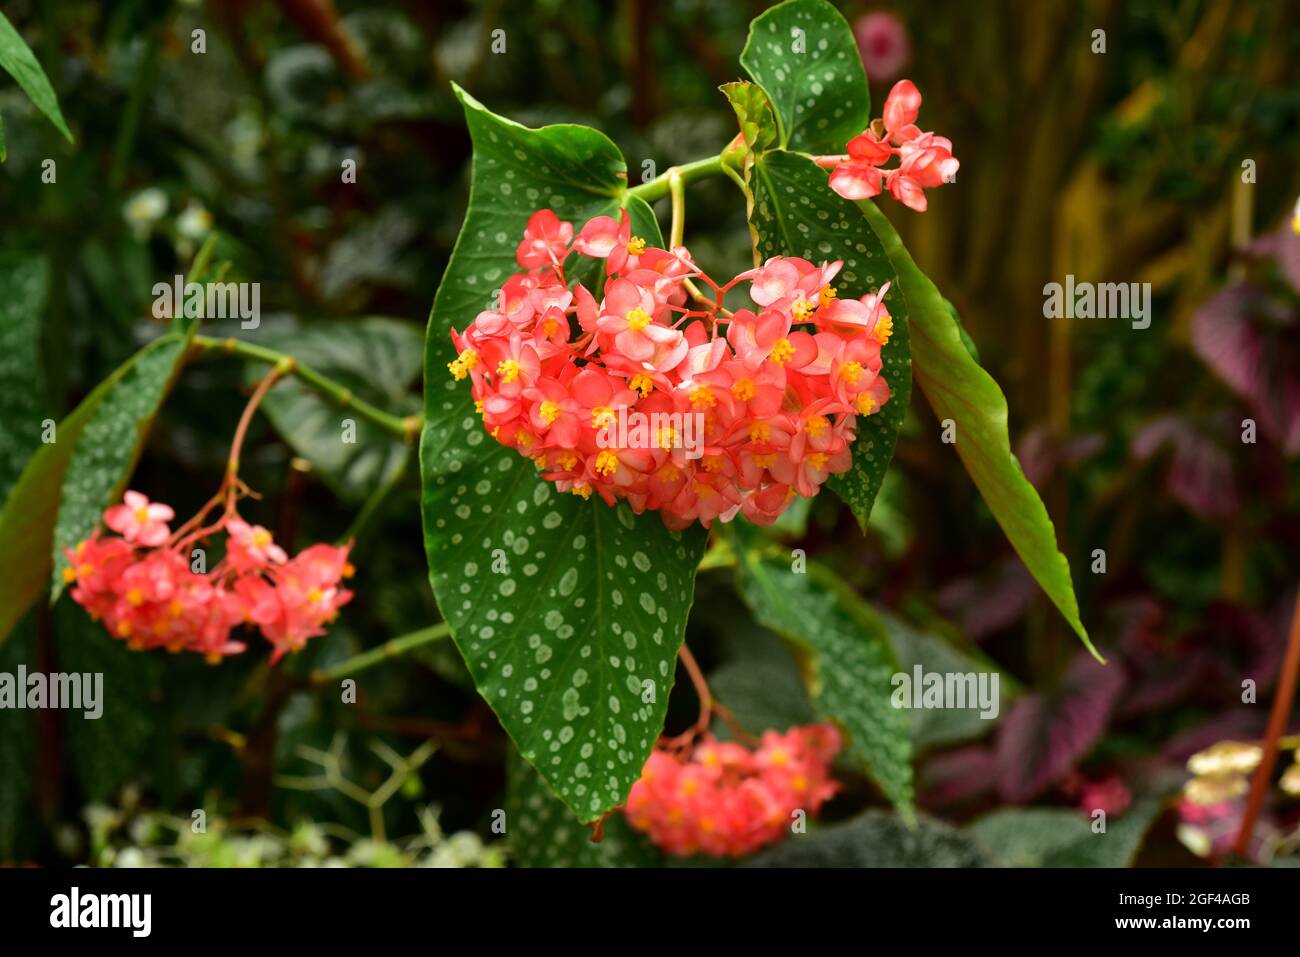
column 331, row 763
column 394, row 648
column 407, row 429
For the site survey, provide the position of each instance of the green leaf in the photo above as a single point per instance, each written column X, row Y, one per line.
column 795, row 214
column 17, row 59
column 377, row 359
column 27, row 522
column 932, row 727
column 110, row 444
column 574, row 646
column 4, row 150
column 108, row 750
column 761, row 685
column 544, row 833
column 24, row 284
column 875, row 839
column 959, row 389
column 804, row 55
column 1056, row 837
column 754, row 113
column 852, row 663
column 17, row 748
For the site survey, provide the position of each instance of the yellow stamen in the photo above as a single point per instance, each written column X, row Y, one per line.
column 508, row 369
column 866, row 404
column 818, row 460
column 550, row 327
column 702, row 397
column 142, row 515
column 568, row 461
column 803, row 310
column 743, row 390
column 826, row 296
column 464, row 362
column 816, row 425
column 638, row 319
column 759, row 432
column 850, row 372
column 602, row 415
column 712, row 463
column 315, row 595
column 765, row 461
column 606, row 462
column 582, row 490
column 782, row 352
column 635, row 246
column 884, row 329
column 549, row 412
column 261, row 537
column 643, row 384
column 69, row 574
column 135, row 597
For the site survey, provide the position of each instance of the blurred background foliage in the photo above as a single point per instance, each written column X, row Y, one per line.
column 1122, row 166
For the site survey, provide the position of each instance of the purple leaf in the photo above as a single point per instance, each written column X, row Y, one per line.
column 1046, row 734
column 1247, row 338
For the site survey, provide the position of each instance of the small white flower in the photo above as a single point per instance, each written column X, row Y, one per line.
column 144, row 209
column 194, row 222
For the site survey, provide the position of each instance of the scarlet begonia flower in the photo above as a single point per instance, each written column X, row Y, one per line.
column 145, row 591
column 925, row 159
column 650, row 397
column 725, row 800
column 139, row 520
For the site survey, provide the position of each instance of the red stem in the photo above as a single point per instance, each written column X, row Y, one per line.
column 1282, row 702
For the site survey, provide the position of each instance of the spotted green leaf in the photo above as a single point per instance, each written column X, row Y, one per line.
column 28, row 520
column 876, row 840
column 377, row 359
column 852, row 662
column 1059, row 837
column 24, row 283
column 959, row 389
column 803, row 54
column 794, row 214
column 568, row 613
column 17, row 59
column 544, row 833
column 111, row 443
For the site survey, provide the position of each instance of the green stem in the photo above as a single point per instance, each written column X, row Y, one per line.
column 407, row 429
column 394, row 648
column 376, row 499
column 658, row 187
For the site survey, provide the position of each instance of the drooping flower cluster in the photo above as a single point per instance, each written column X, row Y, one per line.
column 151, row 588
column 925, row 159
column 655, row 393
column 725, row 800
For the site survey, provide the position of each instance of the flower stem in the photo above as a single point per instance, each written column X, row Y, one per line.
column 660, row 186
column 407, row 429
column 394, row 648
column 1282, row 702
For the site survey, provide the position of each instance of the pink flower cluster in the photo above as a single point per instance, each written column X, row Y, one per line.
column 143, row 587
column 925, row 159
column 725, row 800
column 729, row 411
